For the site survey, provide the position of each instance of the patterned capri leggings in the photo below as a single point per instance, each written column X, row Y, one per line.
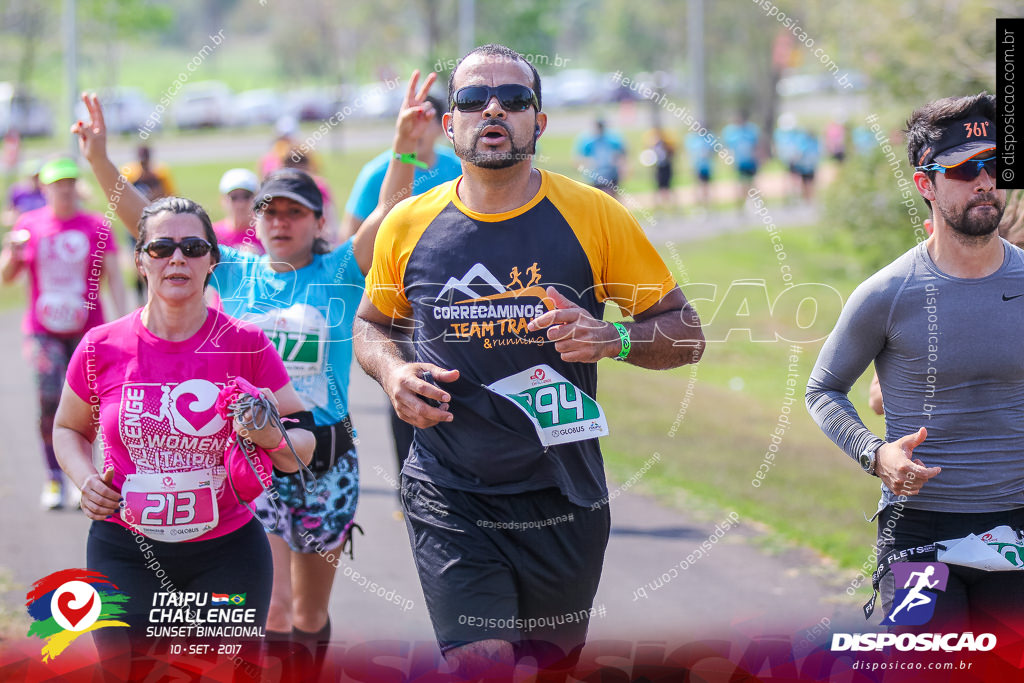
column 49, row 356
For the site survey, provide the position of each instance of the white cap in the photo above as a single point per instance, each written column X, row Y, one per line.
column 239, row 179
column 287, row 125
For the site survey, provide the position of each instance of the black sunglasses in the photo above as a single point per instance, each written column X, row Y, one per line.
column 191, row 247
column 968, row 170
column 512, row 96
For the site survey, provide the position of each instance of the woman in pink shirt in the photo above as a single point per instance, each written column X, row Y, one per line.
column 66, row 253
column 165, row 518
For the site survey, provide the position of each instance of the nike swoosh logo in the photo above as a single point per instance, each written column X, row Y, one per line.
column 1011, row 298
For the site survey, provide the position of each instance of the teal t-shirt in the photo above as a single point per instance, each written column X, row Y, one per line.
column 366, row 190
column 307, row 314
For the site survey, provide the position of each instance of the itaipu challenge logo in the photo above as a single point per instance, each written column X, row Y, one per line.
column 68, row 603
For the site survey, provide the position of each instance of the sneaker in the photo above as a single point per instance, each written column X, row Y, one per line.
column 51, row 498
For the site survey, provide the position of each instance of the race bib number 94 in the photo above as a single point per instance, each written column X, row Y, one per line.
column 558, row 409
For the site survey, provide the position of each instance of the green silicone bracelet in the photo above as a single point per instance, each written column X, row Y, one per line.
column 624, row 338
column 411, row 159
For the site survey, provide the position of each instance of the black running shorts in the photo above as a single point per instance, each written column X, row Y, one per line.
column 523, row 568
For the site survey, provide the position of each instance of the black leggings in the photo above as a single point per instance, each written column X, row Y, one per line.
column 974, row 598
column 238, row 562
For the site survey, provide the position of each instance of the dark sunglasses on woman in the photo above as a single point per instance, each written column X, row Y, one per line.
column 191, row 247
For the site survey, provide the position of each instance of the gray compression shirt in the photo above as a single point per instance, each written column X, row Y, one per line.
column 950, row 357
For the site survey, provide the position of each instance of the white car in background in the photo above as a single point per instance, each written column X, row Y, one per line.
column 24, row 112
column 574, row 87
column 206, row 104
column 255, row 107
column 376, row 100
column 314, row 104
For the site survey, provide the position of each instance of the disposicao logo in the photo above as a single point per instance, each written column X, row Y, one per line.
column 914, row 603
column 68, row 603
column 918, row 585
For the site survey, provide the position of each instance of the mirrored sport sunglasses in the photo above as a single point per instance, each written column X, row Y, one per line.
column 969, row 170
column 191, row 247
column 512, row 96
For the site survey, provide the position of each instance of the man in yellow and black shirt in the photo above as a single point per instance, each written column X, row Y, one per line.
column 500, row 278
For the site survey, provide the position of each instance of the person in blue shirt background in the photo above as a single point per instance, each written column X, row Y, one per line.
column 786, row 140
column 806, row 161
column 700, row 149
column 442, row 166
column 601, row 156
column 742, row 138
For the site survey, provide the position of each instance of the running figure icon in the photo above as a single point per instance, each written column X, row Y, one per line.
column 916, row 598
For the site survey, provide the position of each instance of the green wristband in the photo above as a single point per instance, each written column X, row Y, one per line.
column 624, row 338
column 410, row 158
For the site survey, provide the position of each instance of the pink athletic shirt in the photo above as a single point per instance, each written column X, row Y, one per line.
column 156, row 401
column 65, row 262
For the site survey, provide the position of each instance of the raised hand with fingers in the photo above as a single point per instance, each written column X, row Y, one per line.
column 415, row 115
column 92, row 136
column 895, row 465
column 578, row 336
column 128, row 202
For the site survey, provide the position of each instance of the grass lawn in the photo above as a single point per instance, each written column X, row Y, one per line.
column 713, row 442
column 14, row 620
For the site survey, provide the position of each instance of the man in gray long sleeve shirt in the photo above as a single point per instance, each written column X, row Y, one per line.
column 944, row 325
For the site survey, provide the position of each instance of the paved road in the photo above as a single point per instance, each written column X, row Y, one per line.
column 736, row 585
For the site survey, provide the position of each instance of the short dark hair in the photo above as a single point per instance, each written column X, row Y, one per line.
column 178, row 205
column 495, row 50
column 926, row 125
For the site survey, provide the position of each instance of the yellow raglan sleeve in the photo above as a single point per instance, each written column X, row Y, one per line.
column 627, row 269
